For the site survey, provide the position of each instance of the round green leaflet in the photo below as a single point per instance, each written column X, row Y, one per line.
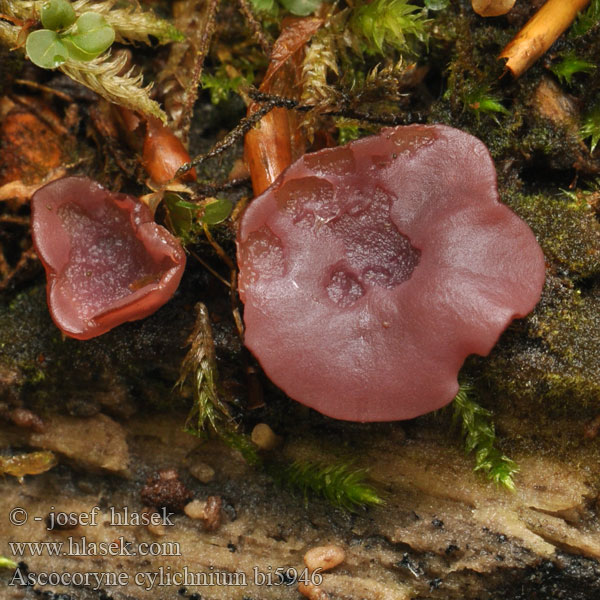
column 75, row 52
column 45, row 49
column 216, row 212
column 301, row 8
column 57, row 14
column 436, row 4
column 93, row 35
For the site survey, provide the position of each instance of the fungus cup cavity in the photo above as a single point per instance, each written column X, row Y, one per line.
column 369, row 272
column 106, row 259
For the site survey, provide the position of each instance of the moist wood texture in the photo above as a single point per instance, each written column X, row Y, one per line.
column 443, row 532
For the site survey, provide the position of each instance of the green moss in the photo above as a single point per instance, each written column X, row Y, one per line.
column 136, row 360
column 553, row 358
column 569, row 65
column 479, row 435
column 385, row 24
column 566, row 227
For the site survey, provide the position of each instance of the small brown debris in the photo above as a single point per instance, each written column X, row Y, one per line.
column 195, row 509
column 209, row 511
column 324, row 557
column 264, row 437
column 22, row 417
column 157, row 529
column 165, row 490
column 202, row 472
column 591, row 429
column 312, row 592
column 212, row 520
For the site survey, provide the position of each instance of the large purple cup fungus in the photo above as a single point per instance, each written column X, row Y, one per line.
column 106, row 259
column 369, row 272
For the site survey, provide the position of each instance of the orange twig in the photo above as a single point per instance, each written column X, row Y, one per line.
column 539, row 33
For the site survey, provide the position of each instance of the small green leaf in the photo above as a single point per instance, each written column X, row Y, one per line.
column 590, row 127
column 489, row 105
column 301, row 8
column 7, row 563
column 190, row 205
column 586, row 20
column 45, row 49
column 263, row 5
column 220, row 88
column 57, row 14
column 216, row 212
column 569, row 66
column 436, row 4
column 394, row 23
column 76, row 53
column 481, row 101
column 93, row 34
column 180, row 216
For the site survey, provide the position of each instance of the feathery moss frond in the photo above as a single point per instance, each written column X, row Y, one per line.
column 131, row 23
column 227, row 79
column 102, row 76
column 393, row 23
column 200, row 367
column 569, row 65
column 590, row 127
column 383, row 83
column 479, row 434
column 339, row 483
column 586, row 20
column 481, row 101
column 319, row 60
column 243, row 444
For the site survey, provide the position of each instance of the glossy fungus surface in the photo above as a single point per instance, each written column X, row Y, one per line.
column 106, row 259
column 370, row 271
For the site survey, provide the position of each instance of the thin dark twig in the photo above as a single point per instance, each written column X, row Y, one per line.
column 24, row 221
column 217, row 248
column 257, row 31
column 389, row 119
column 231, row 138
column 210, row 189
column 44, row 88
column 191, row 91
column 26, row 259
column 4, row 266
column 54, row 124
column 210, row 269
column 269, row 103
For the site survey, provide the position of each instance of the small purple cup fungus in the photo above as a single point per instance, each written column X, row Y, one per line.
column 106, row 259
column 369, row 272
